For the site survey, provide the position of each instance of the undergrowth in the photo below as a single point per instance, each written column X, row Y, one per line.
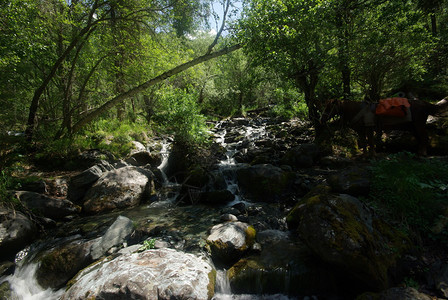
column 413, row 192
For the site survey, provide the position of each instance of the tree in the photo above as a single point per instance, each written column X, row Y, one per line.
column 291, row 37
column 390, row 47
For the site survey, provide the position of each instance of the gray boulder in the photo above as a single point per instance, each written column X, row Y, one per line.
column 16, row 231
column 229, row 241
column 120, row 188
column 152, row 274
column 116, row 235
column 54, row 208
column 79, row 184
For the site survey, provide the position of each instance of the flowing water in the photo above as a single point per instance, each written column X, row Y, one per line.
column 183, row 227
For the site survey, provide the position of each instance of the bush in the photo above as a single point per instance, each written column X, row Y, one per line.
column 178, row 114
column 413, row 190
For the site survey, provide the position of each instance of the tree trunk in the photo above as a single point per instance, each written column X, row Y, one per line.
column 34, row 106
column 133, row 91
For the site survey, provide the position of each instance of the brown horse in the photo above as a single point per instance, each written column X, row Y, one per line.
column 361, row 117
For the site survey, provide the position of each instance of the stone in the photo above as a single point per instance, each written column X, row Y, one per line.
column 142, row 158
column 343, row 232
column 120, row 188
column 80, row 183
column 282, row 267
column 396, row 293
column 152, row 274
column 302, row 156
column 54, row 208
column 229, row 241
column 58, row 265
column 16, row 231
column 115, row 235
column 354, row 181
column 264, row 182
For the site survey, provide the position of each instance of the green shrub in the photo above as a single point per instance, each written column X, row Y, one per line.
column 412, row 190
column 178, row 114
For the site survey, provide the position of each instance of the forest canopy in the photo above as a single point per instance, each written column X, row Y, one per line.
column 68, row 66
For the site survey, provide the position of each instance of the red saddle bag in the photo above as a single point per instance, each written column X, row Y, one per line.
column 394, row 107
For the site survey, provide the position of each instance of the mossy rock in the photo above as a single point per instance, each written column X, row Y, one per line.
column 230, row 241
column 282, row 267
column 264, row 182
column 58, row 266
column 343, row 232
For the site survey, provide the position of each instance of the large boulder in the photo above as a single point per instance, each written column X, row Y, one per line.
column 120, row 188
column 354, row 181
column 79, row 184
column 115, row 235
column 283, row 266
column 229, row 241
column 302, row 156
column 264, row 182
column 54, row 208
column 59, row 264
column 16, row 231
column 344, row 232
column 152, row 274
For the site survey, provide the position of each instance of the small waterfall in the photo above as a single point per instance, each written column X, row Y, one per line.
column 229, row 165
column 24, row 285
column 222, row 285
column 170, row 190
column 165, row 153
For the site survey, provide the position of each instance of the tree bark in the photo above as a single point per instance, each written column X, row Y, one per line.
column 133, row 91
column 40, row 90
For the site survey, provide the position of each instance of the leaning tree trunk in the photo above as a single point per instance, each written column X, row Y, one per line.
column 133, row 91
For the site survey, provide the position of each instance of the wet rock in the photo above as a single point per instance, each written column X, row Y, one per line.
column 354, row 181
column 152, row 274
column 79, row 184
column 6, row 268
column 143, row 158
column 6, row 291
column 121, row 188
column 302, row 156
column 58, row 265
column 396, row 293
column 229, row 241
column 16, row 231
column 115, row 235
column 282, row 267
column 53, row 208
column 437, row 278
column 343, row 232
column 264, row 182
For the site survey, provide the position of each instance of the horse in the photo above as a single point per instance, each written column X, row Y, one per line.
column 361, row 117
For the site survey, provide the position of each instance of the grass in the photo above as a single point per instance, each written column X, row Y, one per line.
column 412, row 191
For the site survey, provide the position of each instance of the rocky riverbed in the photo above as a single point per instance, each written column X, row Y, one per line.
column 264, row 213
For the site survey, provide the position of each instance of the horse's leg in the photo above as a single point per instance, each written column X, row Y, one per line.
column 422, row 137
column 362, row 139
column 370, row 140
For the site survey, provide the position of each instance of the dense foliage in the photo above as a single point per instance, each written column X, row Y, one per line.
column 70, row 67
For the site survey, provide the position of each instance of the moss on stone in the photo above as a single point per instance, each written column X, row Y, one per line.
column 211, row 284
